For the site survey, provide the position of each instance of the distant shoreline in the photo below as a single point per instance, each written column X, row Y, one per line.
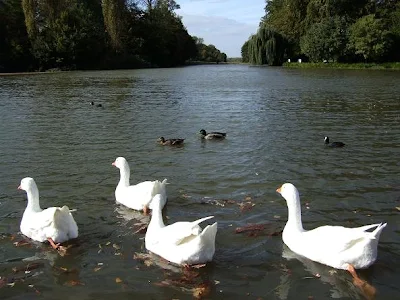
column 347, row 66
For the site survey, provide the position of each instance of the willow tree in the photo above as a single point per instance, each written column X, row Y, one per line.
column 29, row 8
column 266, row 47
column 113, row 14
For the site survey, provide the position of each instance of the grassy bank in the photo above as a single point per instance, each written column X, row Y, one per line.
column 357, row 66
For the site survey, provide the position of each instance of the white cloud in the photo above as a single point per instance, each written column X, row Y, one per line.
column 225, row 34
column 226, row 24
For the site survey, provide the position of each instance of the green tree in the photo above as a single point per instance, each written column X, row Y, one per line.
column 114, row 14
column 14, row 40
column 370, row 38
column 287, row 17
column 326, row 40
column 245, row 52
column 267, row 47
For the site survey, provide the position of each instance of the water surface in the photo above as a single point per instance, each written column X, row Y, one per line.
column 276, row 120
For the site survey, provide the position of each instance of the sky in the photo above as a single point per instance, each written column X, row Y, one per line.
column 226, row 24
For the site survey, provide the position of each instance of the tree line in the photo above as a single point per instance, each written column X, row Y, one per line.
column 96, row 34
column 326, row 31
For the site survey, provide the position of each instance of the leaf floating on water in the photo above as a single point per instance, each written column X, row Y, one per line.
column 115, row 246
column 202, row 291
column 398, row 208
column 97, row 269
column 11, row 284
column 28, row 267
column 118, row 280
column 198, row 266
column 73, row 283
column 21, row 243
column 254, row 230
column 245, row 206
column 108, row 243
column 248, row 198
column 250, row 227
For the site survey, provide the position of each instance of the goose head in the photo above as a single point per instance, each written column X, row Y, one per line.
column 120, row 162
column 203, row 132
column 290, row 193
column 27, row 184
column 326, row 140
column 161, row 139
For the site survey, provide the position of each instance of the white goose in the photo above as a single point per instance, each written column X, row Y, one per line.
column 53, row 224
column 182, row 243
column 335, row 246
column 136, row 196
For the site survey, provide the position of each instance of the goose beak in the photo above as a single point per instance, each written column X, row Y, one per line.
column 113, row 164
column 19, row 187
column 279, row 189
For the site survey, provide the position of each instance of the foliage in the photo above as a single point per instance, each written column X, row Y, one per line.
column 92, row 34
column 370, row 38
column 326, row 40
column 113, row 12
column 14, row 41
column 334, row 30
column 245, row 52
column 208, row 53
column 266, row 47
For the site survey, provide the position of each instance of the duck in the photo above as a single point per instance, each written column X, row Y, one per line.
column 212, row 135
column 138, row 196
column 182, row 243
column 97, row 105
column 333, row 144
column 54, row 224
column 170, row 142
column 335, row 246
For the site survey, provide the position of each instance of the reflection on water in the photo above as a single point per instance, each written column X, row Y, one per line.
column 339, row 280
column 275, row 121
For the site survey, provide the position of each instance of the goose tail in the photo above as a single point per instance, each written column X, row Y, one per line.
column 197, row 222
column 160, row 187
column 208, row 236
column 378, row 230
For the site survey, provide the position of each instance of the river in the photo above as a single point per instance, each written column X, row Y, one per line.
column 275, row 119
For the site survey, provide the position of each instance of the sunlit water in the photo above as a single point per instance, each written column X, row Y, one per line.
column 276, row 120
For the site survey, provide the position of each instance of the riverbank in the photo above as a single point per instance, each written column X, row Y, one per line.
column 352, row 66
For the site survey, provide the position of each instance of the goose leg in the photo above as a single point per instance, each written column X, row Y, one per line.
column 54, row 245
column 145, row 210
column 368, row 290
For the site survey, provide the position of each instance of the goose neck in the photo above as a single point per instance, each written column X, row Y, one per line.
column 156, row 219
column 294, row 218
column 124, row 176
column 33, row 200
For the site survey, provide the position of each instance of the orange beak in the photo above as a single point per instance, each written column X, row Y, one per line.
column 19, row 187
column 279, row 189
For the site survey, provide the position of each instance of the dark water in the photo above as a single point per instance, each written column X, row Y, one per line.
column 276, row 120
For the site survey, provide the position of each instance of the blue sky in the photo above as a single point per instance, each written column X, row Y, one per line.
column 226, row 24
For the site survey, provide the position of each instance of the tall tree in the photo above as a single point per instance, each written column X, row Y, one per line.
column 326, row 40
column 14, row 40
column 113, row 13
column 29, row 8
column 267, row 47
column 370, row 38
